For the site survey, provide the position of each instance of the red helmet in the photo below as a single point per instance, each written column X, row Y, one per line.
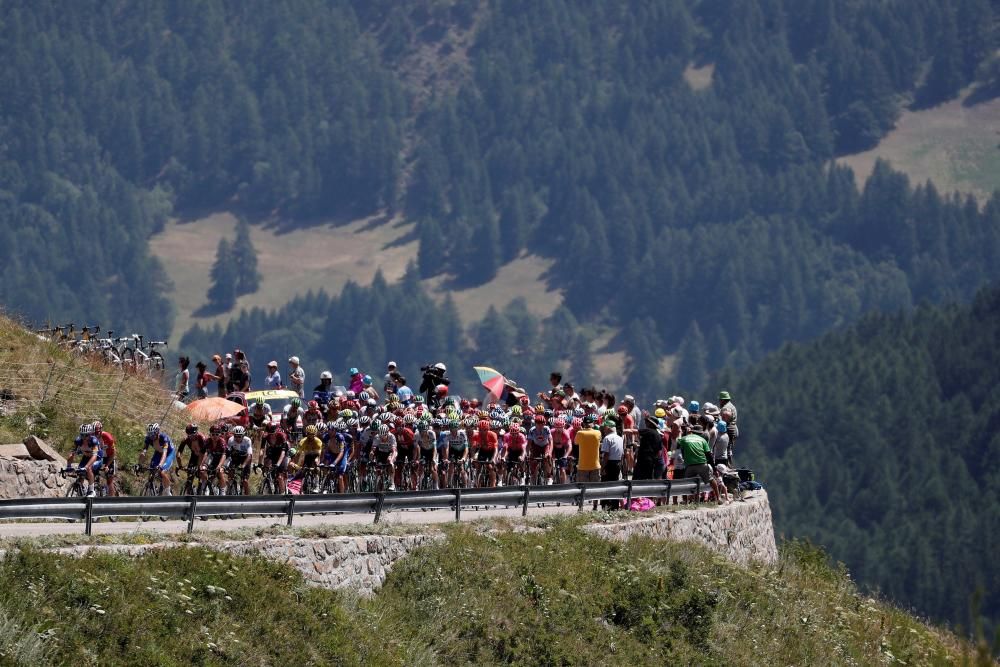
column 313, row 405
column 622, row 410
column 474, row 402
column 484, row 425
column 539, row 419
column 464, row 404
column 525, row 400
column 441, row 390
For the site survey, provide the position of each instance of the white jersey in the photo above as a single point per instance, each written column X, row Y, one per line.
column 242, row 447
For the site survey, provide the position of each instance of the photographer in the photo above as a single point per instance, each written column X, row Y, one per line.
column 433, row 376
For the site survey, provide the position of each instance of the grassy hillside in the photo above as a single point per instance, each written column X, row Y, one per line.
column 881, row 443
column 954, row 145
column 79, row 389
column 558, row 597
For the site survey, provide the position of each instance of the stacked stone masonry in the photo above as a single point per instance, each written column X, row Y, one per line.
column 741, row 531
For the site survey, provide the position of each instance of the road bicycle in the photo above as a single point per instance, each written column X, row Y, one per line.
column 134, row 356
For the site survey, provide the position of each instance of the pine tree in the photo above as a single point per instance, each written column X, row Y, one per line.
column 222, row 293
column 431, row 254
column 692, row 367
column 245, row 260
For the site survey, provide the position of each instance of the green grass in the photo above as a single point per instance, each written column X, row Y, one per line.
column 558, row 597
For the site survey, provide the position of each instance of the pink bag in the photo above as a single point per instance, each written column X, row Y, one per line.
column 641, row 505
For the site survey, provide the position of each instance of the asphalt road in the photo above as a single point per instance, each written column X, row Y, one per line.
column 414, row 517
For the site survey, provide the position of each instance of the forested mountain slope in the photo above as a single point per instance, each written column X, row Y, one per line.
column 881, row 442
column 570, row 132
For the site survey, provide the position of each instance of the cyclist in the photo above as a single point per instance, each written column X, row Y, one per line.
column 540, row 440
column 427, row 451
column 214, row 460
column 313, row 415
column 239, row 451
column 514, row 450
column 406, row 448
column 88, row 447
column 385, row 451
column 290, row 421
column 260, row 413
column 486, row 444
column 310, row 448
column 561, row 448
column 458, row 448
column 274, row 452
column 196, row 443
column 336, row 452
column 110, row 456
column 163, row 454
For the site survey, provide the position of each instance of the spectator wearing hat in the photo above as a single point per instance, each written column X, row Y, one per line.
column 389, row 385
column 273, row 379
column 726, row 403
column 296, row 376
column 356, row 381
column 649, row 457
column 698, row 457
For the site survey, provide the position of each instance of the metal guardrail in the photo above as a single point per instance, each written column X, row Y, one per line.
column 195, row 507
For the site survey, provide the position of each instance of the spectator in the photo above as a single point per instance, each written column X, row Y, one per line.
column 355, row 381
column 389, row 386
column 221, row 375
column 296, row 376
column 612, row 451
column 182, row 385
column 239, row 377
column 403, row 391
column 202, row 379
column 697, row 458
column 726, row 404
column 649, row 458
column 273, row 378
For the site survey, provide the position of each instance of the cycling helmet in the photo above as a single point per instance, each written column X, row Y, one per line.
column 347, row 413
column 577, row 422
column 313, row 405
column 296, row 403
column 239, row 431
column 622, row 410
column 560, row 422
column 578, row 412
column 292, row 451
column 215, row 430
column 516, row 411
column 98, row 426
column 350, row 395
column 152, row 429
column 484, row 425
column 470, row 422
column 270, row 427
column 323, row 427
column 365, row 420
column 515, row 428
column 326, row 375
column 409, row 420
column 548, row 413
column 351, row 423
column 418, row 399
column 191, row 429
column 495, row 425
column 372, row 402
column 86, row 429
column 383, row 430
column 441, row 390
column 589, row 419
column 259, row 401
column 453, row 424
column 364, row 396
column 310, row 430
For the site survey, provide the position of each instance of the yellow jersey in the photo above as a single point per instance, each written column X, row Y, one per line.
column 310, row 445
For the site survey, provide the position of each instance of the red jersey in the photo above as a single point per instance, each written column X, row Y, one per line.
column 109, row 444
column 516, row 442
column 487, row 444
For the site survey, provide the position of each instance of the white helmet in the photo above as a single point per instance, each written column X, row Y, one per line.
column 383, row 430
column 239, row 431
column 325, row 375
column 152, row 429
column 441, row 367
column 293, row 360
column 86, row 429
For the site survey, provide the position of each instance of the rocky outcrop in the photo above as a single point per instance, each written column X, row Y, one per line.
column 742, row 531
column 31, row 469
column 21, row 478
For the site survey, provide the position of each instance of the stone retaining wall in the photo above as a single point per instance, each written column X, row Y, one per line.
column 21, row 478
column 742, row 531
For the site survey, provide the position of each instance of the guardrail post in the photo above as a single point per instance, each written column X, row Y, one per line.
column 291, row 509
column 378, row 506
column 628, row 494
column 89, row 528
column 194, row 507
column 669, row 483
column 697, row 490
column 458, row 503
column 583, row 492
column 524, row 505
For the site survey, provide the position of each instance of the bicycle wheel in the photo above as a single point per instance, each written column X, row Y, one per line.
column 156, row 361
column 265, row 488
column 128, row 358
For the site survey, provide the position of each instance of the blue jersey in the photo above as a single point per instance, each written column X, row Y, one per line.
column 88, row 445
column 160, row 442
